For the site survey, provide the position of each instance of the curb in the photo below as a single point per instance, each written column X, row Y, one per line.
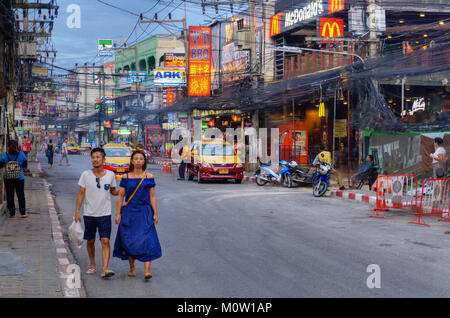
column 358, row 197
column 60, row 247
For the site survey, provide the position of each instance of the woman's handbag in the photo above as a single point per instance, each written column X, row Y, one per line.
column 131, row 197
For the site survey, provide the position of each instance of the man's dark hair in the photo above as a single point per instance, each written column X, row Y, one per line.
column 12, row 142
column 50, row 141
column 439, row 141
column 98, row 149
column 322, row 147
column 371, row 158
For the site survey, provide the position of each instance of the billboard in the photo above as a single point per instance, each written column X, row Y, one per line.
column 105, row 47
column 169, row 78
column 38, row 70
column 199, row 61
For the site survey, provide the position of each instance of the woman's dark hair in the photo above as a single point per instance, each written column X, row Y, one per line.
column 50, row 141
column 98, row 149
column 144, row 167
column 371, row 158
column 12, row 142
column 439, row 141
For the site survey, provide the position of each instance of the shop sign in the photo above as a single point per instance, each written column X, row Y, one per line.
column 340, row 130
column 304, row 14
column 175, row 60
column 275, row 24
column 169, row 78
column 199, row 61
column 335, row 6
column 331, row 28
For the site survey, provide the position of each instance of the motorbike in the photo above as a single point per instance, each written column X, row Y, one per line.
column 321, row 179
column 264, row 174
column 300, row 175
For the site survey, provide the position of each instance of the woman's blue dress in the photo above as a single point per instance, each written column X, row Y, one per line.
column 136, row 236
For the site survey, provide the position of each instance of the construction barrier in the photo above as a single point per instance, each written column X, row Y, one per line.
column 434, row 199
column 399, row 191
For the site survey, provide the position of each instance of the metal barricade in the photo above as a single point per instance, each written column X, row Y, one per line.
column 434, row 199
column 399, row 191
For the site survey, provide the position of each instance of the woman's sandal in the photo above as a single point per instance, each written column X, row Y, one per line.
column 147, row 276
column 108, row 273
column 91, row 271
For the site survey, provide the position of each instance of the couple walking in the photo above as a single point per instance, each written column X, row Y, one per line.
column 136, row 236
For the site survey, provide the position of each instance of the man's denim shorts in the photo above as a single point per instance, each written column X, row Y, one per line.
column 91, row 223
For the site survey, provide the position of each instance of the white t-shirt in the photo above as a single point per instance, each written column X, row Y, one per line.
column 97, row 202
column 439, row 151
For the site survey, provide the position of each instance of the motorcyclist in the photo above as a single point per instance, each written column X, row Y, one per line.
column 325, row 157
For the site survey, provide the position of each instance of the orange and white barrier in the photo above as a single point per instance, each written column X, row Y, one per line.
column 434, row 199
column 399, row 191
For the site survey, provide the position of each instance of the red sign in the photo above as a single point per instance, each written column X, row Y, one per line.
column 331, row 28
column 199, row 61
column 335, row 6
column 275, row 24
column 107, row 124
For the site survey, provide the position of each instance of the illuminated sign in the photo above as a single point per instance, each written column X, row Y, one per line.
column 199, row 61
column 275, row 24
column 335, row 6
column 311, row 10
column 330, row 27
column 169, row 78
column 175, row 60
column 321, row 110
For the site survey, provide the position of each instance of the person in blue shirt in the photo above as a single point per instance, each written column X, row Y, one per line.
column 15, row 184
column 364, row 170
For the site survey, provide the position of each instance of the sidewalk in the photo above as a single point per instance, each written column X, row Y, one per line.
column 32, row 250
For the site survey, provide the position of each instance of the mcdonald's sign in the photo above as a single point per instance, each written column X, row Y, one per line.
column 335, row 6
column 275, row 24
column 331, row 28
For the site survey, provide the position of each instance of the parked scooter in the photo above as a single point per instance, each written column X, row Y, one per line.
column 321, row 179
column 264, row 174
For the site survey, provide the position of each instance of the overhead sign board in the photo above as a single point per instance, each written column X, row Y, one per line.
column 169, row 78
column 105, row 47
column 132, row 78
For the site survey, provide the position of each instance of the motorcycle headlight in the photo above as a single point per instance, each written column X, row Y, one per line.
column 239, row 165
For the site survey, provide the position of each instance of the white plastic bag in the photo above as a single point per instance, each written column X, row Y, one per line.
column 76, row 234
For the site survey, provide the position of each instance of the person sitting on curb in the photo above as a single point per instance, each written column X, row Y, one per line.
column 363, row 171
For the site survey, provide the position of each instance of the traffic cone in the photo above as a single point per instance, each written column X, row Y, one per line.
column 170, row 167
column 165, row 167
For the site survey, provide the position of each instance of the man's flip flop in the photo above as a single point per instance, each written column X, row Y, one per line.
column 148, row 276
column 107, row 274
column 91, row 271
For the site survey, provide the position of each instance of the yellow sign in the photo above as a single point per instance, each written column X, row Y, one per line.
column 340, row 130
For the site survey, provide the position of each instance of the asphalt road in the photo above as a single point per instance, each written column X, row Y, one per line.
column 229, row 240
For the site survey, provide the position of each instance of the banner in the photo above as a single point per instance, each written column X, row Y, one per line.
column 169, row 78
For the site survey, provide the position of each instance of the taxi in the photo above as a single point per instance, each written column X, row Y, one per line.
column 212, row 159
column 73, row 148
column 117, row 159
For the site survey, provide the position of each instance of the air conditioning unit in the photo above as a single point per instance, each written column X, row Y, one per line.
column 243, row 39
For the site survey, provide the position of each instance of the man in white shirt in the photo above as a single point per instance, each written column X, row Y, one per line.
column 96, row 187
column 439, row 158
column 64, row 153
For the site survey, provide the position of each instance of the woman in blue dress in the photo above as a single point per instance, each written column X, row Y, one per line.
column 136, row 237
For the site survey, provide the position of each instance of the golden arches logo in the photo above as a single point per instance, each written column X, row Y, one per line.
column 330, row 27
column 335, row 5
column 275, row 24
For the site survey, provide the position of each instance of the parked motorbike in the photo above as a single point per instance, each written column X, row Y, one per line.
column 321, row 179
column 264, row 174
column 300, row 175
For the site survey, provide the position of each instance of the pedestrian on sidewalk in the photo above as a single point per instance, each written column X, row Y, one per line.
column 14, row 178
column 439, row 158
column 50, row 152
column 136, row 237
column 184, row 154
column 64, row 153
column 96, row 187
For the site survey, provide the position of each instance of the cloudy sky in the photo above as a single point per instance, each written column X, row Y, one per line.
column 100, row 21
